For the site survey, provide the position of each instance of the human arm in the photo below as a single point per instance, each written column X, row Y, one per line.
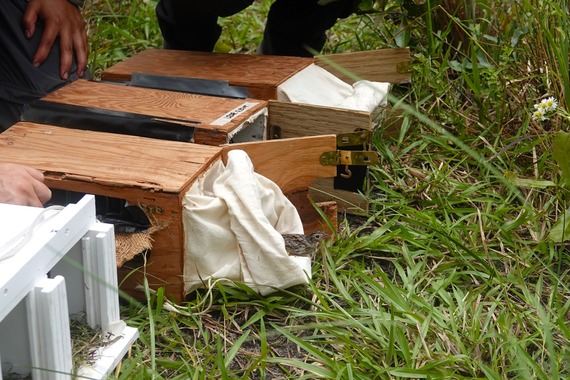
column 61, row 19
column 22, row 185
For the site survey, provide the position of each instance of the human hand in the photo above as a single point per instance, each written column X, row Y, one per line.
column 61, row 19
column 22, row 185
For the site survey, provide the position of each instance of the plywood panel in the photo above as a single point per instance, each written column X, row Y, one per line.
column 260, row 74
column 205, row 113
column 106, row 158
column 291, row 163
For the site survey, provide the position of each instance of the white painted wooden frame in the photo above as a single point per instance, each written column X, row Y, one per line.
column 67, row 267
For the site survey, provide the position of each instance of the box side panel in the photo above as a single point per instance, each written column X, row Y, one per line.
column 312, row 220
column 384, row 65
column 262, row 92
column 165, row 261
column 298, row 120
column 291, row 163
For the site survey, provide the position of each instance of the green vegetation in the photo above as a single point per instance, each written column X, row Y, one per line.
column 460, row 270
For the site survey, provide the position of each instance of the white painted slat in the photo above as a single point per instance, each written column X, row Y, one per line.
column 110, row 313
column 34, row 330
column 92, row 310
column 50, row 337
column 101, row 284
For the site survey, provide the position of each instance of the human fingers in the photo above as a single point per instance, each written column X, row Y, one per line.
column 42, row 192
column 80, row 46
column 46, row 43
column 20, row 190
column 22, row 185
column 61, row 20
column 29, row 19
column 36, row 174
column 73, row 41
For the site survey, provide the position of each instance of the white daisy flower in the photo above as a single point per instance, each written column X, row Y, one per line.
column 539, row 114
column 550, row 104
column 544, row 108
column 541, row 106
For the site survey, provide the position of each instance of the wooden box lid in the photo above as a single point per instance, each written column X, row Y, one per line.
column 259, row 74
column 84, row 159
column 214, row 118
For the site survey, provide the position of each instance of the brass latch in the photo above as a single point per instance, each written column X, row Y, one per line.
column 355, row 152
column 349, row 157
column 352, row 139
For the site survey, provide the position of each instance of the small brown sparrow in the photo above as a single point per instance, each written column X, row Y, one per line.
column 304, row 245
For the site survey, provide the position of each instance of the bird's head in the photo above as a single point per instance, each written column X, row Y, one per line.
column 318, row 236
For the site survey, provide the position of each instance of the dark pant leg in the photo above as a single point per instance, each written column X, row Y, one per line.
column 193, row 24
column 294, row 27
column 20, row 81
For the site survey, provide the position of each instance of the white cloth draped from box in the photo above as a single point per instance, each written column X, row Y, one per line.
column 233, row 221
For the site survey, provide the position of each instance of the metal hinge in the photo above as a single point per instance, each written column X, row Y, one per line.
column 349, row 157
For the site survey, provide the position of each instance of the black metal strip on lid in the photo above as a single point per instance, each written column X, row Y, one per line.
column 199, row 86
column 103, row 120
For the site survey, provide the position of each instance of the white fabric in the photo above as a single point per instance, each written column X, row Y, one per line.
column 233, row 221
column 314, row 85
column 366, row 96
column 317, row 86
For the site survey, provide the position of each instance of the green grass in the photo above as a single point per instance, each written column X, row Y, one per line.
column 452, row 274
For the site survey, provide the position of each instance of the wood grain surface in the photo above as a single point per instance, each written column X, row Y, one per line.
column 106, row 158
column 383, row 65
column 191, row 108
column 260, row 74
column 292, row 164
column 297, row 120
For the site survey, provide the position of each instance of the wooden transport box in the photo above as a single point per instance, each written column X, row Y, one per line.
column 152, row 113
column 262, row 75
column 154, row 175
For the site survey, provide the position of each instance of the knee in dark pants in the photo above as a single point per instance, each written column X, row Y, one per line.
column 193, row 24
column 298, row 27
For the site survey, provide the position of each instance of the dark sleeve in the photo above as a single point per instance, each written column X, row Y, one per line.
column 79, row 3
